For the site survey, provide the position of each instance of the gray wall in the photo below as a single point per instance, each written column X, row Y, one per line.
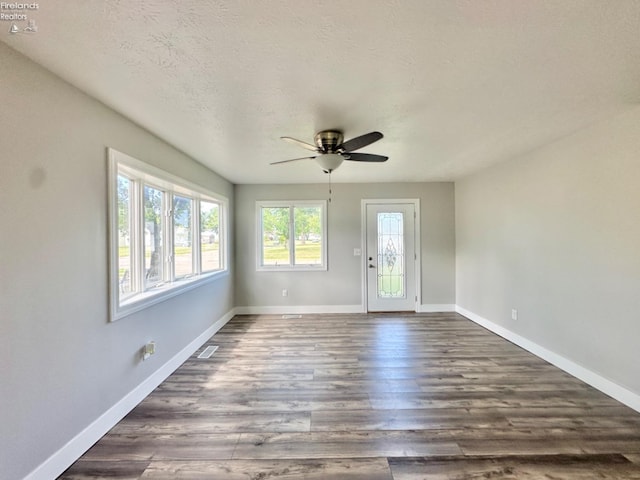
column 341, row 284
column 62, row 364
column 556, row 234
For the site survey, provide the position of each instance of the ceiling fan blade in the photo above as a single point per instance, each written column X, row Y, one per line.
column 365, row 157
column 361, row 141
column 300, row 143
column 292, row 160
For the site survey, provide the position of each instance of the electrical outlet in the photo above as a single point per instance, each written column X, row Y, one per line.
column 148, row 350
column 514, row 314
column 285, row 292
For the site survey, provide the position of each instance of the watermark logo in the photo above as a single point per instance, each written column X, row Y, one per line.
column 20, row 15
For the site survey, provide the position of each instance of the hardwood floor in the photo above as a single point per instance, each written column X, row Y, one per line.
column 368, row 397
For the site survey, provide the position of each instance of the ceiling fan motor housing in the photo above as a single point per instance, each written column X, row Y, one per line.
column 328, row 140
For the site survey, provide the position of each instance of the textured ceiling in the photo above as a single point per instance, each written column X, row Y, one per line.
column 453, row 85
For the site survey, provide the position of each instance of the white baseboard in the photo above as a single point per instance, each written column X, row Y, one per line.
column 606, row 386
column 298, row 309
column 436, row 307
column 69, row 453
column 310, row 309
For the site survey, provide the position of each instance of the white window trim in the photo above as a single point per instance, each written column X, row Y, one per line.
column 291, row 204
column 122, row 163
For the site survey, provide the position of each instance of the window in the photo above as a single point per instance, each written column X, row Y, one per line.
column 182, row 247
column 292, row 235
column 152, row 247
column 166, row 235
column 209, row 236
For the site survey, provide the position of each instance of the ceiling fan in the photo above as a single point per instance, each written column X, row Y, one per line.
column 331, row 150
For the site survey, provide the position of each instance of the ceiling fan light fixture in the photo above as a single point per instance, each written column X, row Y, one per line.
column 332, row 150
column 329, row 161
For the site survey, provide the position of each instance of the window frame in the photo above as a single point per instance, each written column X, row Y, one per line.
column 140, row 174
column 292, row 204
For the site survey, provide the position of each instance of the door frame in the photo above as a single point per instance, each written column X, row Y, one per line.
column 363, row 243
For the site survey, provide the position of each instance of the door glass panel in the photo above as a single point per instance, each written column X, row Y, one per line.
column 391, row 275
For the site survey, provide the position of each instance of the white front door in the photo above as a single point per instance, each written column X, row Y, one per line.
column 390, row 257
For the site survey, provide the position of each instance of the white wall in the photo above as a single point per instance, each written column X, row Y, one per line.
column 340, row 286
column 556, row 235
column 62, row 364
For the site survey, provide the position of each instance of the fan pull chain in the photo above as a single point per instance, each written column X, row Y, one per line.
column 329, row 186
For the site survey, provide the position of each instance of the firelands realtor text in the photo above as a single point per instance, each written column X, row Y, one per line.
column 16, row 11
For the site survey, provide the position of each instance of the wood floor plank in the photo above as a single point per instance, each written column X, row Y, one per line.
column 106, row 469
column 283, row 402
column 310, row 386
column 475, row 399
column 342, row 445
column 180, row 446
column 323, row 469
column 634, row 457
column 538, row 467
column 419, row 419
column 527, row 446
column 357, row 396
column 210, row 424
column 603, row 417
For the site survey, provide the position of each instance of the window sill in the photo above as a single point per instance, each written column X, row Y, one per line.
column 140, row 301
column 291, row 268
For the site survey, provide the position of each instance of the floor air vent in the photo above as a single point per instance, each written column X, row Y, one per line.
column 291, row 316
column 207, row 352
